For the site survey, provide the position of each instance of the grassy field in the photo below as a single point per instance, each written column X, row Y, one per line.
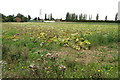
column 60, row 50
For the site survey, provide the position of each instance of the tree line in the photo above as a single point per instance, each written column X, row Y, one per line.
column 83, row 17
column 69, row 17
column 21, row 18
column 12, row 18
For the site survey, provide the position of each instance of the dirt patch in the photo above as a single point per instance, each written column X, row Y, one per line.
column 87, row 56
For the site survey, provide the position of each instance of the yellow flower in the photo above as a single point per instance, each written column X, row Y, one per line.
column 98, row 70
column 111, row 67
column 108, row 70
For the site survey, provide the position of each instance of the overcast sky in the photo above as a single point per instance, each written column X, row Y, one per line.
column 59, row 8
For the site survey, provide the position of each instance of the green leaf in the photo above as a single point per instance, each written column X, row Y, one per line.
column 87, row 42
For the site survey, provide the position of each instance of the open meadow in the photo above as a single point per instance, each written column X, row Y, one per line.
column 60, row 50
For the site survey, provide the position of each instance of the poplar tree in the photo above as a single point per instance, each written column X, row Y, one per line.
column 76, row 17
column 29, row 17
column 116, row 17
column 97, row 17
column 67, row 16
column 51, row 16
column 81, row 17
column 105, row 18
column 73, row 17
column 45, row 16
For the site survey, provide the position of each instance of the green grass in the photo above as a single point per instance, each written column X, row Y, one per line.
column 60, row 50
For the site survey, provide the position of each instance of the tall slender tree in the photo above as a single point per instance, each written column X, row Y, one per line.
column 116, row 17
column 105, row 18
column 51, row 16
column 73, row 17
column 81, row 17
column 90, row 17
column 45, row 16
column 84, row 17
column 68, row 16
column 76, row 17
column 38, row 18
column 97, row 17
column 29, row 17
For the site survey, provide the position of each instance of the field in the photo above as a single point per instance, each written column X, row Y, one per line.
column 60, row 50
